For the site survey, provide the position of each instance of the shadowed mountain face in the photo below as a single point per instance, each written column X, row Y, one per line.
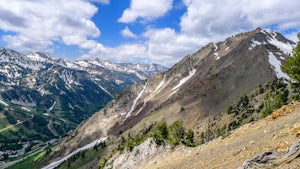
column 197, row 88
column 59, row 93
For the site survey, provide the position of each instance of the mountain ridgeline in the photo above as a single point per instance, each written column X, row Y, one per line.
column 197, row 90
column 43, row 98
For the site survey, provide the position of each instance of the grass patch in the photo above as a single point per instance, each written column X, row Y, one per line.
column 39, row 156
column 31, row 162
column 3, row 123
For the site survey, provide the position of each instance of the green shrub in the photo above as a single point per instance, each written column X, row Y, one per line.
column 189, row 138
column 102, row 163
column 160, row 134
column 175, row 133
column 292, row 67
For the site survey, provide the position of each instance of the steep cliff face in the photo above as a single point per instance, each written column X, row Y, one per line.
column 197, row 88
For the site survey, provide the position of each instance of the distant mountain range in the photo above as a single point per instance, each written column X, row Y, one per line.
column 202, row 91
column 55, row 95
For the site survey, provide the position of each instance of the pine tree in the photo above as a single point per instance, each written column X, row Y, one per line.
column 292, row 66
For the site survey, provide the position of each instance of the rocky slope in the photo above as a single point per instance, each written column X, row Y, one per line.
column 42, row 97
column 195, row 90
column 278, row 132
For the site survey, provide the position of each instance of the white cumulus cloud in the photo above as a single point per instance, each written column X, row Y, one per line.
column 126, row 32
column 166, row 46
column 38, row 24
column 131, row 53
column 146, row 10
column 212, row 18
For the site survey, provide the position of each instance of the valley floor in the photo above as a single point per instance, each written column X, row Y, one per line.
column 276, row 132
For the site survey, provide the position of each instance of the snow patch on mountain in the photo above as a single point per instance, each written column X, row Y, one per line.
column 142, row 71
column 266, row 31
column 106, row 91
column 185, row 79
column 4, row 103
column 11, row 71
column 216, row 47
column 36, row 56
column 26, row 109
column 135, row 100
column 255, row 43
column 32, row 66
column 138, row 75
column 160, row 84
column 71, row 65
column 215, row 52
column 82, row 63
column 67, row 76
column 276, row 64
column 175, row 91
column 217, row 56
column 285, row 47
column 10, row 56
column 51, row 108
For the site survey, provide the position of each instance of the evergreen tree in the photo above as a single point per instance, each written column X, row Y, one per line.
column 176, row 133
column 292, row 66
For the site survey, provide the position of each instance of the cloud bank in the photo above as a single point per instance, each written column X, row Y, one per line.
column 37, row 25
column 146, row 10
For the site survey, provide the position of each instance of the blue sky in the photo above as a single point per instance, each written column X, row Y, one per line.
column 139, row 31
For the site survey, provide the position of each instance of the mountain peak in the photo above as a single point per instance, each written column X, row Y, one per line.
column 38, row 56
column 258, row 29
column 274, row 41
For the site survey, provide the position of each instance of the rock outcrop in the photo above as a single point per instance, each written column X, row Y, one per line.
column 139, row 154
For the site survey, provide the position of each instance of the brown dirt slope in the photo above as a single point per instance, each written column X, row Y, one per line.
column 276, row 132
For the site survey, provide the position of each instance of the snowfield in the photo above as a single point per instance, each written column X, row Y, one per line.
column 277, row 66
column 135, row 100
